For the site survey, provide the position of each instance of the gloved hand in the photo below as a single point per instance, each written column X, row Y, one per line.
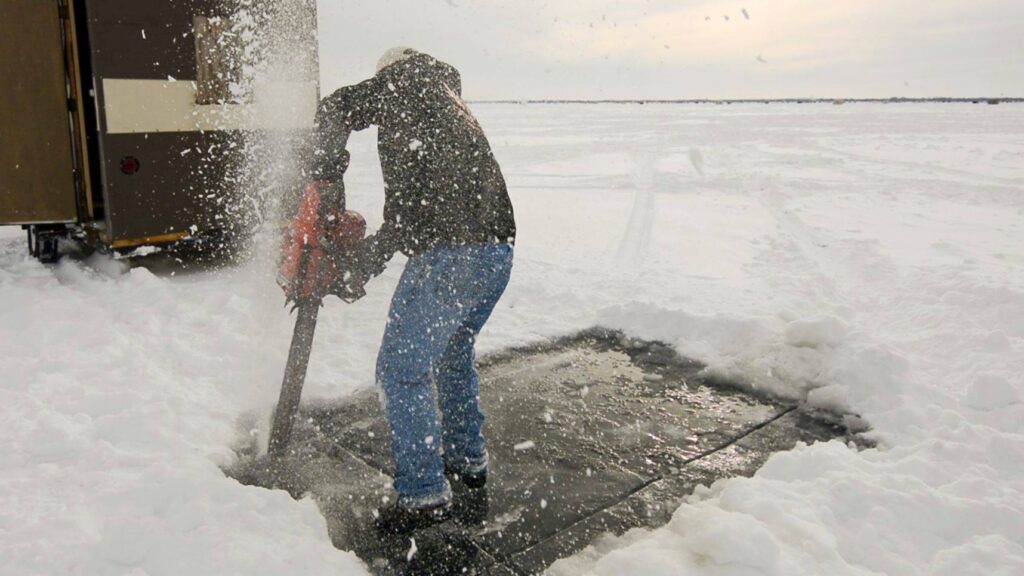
column 358, row 266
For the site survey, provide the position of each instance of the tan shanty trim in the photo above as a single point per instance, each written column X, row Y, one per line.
column 82, row 148
column 146, row 240
column 139, row 106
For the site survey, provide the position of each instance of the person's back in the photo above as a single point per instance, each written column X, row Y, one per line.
column 438, row 165
column 442, row 182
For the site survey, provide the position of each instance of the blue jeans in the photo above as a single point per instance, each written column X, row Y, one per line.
column 442, row 301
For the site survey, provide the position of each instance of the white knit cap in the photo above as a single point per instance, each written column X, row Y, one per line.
column 394, row 55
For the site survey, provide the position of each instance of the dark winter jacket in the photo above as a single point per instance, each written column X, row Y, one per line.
column 442, row 183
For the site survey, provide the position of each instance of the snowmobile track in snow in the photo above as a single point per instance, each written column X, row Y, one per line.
column 589, row 434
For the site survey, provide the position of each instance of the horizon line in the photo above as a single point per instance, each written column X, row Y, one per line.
column 794, row 100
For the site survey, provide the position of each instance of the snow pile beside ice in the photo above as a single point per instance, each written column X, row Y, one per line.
column 814, row 359
column 866, row 259
column 120, row 395
column 830, row 510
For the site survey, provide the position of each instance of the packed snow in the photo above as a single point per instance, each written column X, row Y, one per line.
column 866, row 259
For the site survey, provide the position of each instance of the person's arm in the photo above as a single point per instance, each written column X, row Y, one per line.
column 348, row 109
column 381, row 246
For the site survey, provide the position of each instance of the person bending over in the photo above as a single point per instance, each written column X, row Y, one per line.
column 448, row 209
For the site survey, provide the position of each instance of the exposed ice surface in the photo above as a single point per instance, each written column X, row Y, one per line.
column 866, row 258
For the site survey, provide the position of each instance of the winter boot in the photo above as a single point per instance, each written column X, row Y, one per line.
column 472, row 480
column 397, row 520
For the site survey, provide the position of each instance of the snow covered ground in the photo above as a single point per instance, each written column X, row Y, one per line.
column 867, row 258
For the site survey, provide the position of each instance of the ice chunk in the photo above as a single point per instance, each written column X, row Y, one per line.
column 816, row 332
column 830, row 398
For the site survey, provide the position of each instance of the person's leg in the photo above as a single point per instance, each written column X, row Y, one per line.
column 417, row 331
column 458, row 389
column 458, row 384
column 440, row 291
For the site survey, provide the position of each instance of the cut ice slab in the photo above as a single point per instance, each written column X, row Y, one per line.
column 590, row 434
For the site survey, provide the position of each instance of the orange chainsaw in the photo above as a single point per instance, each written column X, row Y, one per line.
column 313, row 260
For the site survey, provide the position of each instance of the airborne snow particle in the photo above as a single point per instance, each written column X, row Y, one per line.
column 745, row 13
column 543, row 503
column 528, row 445
column 761, row 59
column 412, row 550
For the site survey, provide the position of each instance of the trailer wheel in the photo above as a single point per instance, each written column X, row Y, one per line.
column 44, row 243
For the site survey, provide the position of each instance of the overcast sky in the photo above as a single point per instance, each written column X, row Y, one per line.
column 591, row 49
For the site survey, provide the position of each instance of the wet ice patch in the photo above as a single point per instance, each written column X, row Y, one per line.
column 664, row 434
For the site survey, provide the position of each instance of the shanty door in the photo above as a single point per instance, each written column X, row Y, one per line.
column 36, row 174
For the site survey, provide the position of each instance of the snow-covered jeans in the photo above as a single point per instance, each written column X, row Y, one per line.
column 442, row 301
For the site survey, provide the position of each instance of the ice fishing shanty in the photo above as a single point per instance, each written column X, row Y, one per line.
column 123, row 123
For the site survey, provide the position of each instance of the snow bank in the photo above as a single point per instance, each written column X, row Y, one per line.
column 120, row 395
column 830, row 510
